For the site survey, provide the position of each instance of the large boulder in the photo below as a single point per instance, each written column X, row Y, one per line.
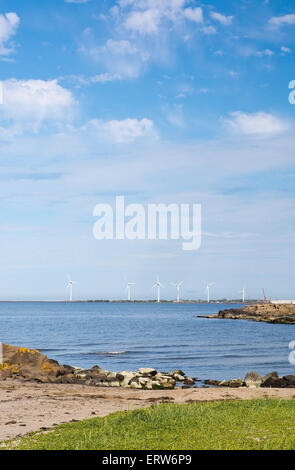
column 253, row 380
column 290, row 380
column 30, row 363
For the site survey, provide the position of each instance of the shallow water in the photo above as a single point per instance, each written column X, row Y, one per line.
column 120, row 336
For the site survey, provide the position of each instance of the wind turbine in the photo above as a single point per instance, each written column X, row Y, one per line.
column 158, row 285
column 178, row 290
column 208, row 286
column 128, row 288
column 244, row 294
column 70, row 286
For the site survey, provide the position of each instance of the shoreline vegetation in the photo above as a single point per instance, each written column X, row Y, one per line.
column 266, row 424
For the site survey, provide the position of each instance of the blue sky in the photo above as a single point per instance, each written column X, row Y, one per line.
column 160, row 101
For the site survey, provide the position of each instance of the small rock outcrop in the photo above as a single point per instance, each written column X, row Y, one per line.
column 30, row 364
column 269, row 313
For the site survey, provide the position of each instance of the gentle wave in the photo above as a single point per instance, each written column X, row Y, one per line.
column 109, row 353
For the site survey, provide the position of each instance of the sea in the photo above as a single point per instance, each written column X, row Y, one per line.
column 167, row 336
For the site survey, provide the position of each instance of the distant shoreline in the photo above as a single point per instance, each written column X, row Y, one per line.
column 202, row 302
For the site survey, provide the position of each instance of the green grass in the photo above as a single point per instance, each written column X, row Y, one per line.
column 255, row 424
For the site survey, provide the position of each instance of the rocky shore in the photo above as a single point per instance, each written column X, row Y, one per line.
column 254, row 380
column 269, row 313
column 30, row 365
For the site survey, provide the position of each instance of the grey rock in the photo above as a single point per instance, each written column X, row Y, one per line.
column 253, row 380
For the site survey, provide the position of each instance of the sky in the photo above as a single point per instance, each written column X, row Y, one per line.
column 171, row 101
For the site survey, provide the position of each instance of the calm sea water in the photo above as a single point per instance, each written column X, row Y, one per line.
column 120, row 336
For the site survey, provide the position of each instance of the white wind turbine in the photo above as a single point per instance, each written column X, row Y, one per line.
column 158, row 285
column 70, row 286
column 178, row 289
column 208, row 287
column 244, row 294
column 128, row 288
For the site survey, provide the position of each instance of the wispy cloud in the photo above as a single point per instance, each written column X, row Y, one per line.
column 222, row 19
column 126, row 130
column 256, row 124
column 278, row 21
column 9, row 23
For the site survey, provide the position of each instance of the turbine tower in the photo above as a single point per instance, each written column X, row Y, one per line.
column 178, row 290
column 208, row 286
column 128, row 288
column 70, row 286
column 244, row 295
column 158, row 285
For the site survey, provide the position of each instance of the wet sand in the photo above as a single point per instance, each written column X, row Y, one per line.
column 26, row 407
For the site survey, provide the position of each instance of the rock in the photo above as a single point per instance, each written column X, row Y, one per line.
column 253, row 380
column 31, row 365
column 223, row 383
column 178, row 377
column 274, row 382
column 290, row 380
column 147, row 372
column 274, row 375
column 270, row 313
column 112, row 375
column 77, row 370
column 177, row 372
column 114, row 383
column 211, row 382
column 235, row 383
column 135, row 384
column 125, row 377
column 143, row 381
column 189, row 381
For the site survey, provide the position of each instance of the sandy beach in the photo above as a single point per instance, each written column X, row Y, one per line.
column 27, row 407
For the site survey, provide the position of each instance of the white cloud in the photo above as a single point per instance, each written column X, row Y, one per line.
column 105, row 78
column 209, row 30
column 222, row 19
column 145, row 16
column 126, row 130
column 286, row 50
column 194, row 14
column 121, row 48
column 121, row 59
column 28, row 103
column 266, row 52
column 146, row 22
column 99, row 78
column 256, row 124
column 278, row 21
column 9, row 23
